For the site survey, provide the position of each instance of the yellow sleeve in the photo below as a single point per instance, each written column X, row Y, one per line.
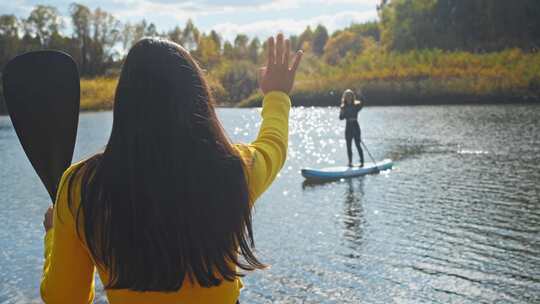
column 266, row 155
column 68, row 271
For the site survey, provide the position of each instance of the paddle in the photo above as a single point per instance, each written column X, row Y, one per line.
column 42, row 93
column 371, row 156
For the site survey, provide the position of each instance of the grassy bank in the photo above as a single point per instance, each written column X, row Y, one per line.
column 422, row 77
column 97, row 94
column 387, row 78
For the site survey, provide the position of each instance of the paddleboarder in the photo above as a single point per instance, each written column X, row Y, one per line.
column 164, row 212
column 350, row 106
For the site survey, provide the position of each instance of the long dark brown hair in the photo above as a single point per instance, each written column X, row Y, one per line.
column 168, row 196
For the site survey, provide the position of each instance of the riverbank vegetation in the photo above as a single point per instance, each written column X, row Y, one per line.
column 418, row 52
column 422, row 77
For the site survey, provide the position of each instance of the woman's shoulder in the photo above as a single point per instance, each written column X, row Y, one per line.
column 73, row 169
column 76, row 169
column 69, row 188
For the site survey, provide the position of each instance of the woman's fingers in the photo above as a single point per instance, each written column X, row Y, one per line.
column 287, row 53
column 296, row 62
column 271, row 52
column 279, row 49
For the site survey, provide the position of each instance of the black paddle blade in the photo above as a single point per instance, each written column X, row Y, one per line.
column 42, row 93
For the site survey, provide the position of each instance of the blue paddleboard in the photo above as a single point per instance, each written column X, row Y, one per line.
column 333, row 173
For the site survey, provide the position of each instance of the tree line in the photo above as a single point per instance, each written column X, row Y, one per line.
column 470, row 25
column 98, row 40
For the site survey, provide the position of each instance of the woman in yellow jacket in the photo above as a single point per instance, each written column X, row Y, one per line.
column 164, row 212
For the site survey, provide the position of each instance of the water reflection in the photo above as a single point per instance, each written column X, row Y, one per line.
column 353, row 213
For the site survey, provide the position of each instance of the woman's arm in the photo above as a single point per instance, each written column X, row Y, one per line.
column 267, row 154
column 341, row 113
column 68, row 272
column 360, row 103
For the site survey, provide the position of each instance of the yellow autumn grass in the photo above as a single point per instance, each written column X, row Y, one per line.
column 97, row 94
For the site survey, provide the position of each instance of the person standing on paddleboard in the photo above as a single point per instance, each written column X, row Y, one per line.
column 164, row 212
column 349, row 109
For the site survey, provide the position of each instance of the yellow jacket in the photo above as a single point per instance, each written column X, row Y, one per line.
column 68, row 272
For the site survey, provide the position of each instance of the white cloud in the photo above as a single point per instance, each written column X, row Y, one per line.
column 207, row 7
column 193, row 9
column 165, row 13
column 289, row 26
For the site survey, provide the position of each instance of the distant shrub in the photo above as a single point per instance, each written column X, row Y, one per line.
column 239, row 79
column 218, row 91
column 534, row 84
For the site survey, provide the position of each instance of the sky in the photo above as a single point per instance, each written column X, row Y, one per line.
column 259, row 18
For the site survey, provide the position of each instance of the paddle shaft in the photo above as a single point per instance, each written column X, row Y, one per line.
column 370, row 156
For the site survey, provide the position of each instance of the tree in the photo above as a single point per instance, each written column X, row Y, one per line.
column 368, row 29
column 480, row 25
column 239, row 79
column 217, row 39
column 207, row 51
column 294, row 43
column 81, row 17
column 340, row 45
column 176, row 35
column 381, row 5
column 151, row 30
column 228, row 50
column 320, row 37
column 95, row 33
column 241, row 46
column 106, row 33
column 127, row 36
column 44, row 21
column 190, row 35
column 9, row 38
column 9, row 26
column 408, row 24
column 253, row 50
column 305, row 39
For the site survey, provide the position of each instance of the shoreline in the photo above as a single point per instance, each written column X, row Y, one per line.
column 521, row 100
column 437, row 100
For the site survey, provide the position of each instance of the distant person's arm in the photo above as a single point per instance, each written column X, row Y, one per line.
column 267, row 154
column 68, row 272
column 361, row 101
column 341, row 113
column 360, row 105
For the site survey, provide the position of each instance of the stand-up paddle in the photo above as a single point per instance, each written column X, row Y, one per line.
column 335, row 173
column 42, row 93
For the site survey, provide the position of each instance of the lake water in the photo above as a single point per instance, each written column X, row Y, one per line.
column 457, row 220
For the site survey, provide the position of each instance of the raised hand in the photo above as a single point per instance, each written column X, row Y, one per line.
column 277, row 75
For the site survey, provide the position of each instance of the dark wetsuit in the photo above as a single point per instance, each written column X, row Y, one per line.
column 352, row 129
